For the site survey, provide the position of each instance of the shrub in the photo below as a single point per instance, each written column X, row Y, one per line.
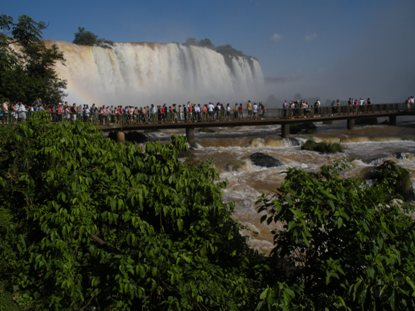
column 322, row 147
column 86, row 37
column 393, row 178
column 96, row 224
column 345, row 245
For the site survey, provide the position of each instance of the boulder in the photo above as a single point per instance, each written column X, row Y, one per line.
column 262, row 159
column 136, row 137
column 304, row 127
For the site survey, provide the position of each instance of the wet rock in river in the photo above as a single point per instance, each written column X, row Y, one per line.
column 262, row 159
column 132, row 136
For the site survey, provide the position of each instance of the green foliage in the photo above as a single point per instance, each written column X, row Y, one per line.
column 206, row 43
column 322, row 147
column 27, row 31
column 26, row 64
column 90, row 223
column 345, row 245
column 227, row 49
column 7, row 302
column 393, row 178
column 86, row 37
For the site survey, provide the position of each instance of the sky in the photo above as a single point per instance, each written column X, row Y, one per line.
column 307, row 48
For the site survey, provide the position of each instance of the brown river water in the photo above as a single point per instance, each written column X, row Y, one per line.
column 229, row 150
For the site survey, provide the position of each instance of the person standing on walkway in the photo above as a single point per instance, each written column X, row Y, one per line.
column 249, row 108
column 254, row 111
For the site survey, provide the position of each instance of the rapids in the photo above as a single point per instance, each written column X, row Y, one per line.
column 229, row 150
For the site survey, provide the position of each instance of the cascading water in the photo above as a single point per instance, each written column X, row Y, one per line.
column 141, row 74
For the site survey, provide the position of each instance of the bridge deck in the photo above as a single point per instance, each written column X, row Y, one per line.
column 269, row 120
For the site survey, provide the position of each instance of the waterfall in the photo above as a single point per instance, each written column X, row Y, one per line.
column 140, row 74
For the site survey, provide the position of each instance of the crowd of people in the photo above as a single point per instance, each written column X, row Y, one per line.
column 189, row 112
column 304, row 108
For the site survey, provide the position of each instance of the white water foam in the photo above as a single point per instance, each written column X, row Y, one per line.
column 247, row 181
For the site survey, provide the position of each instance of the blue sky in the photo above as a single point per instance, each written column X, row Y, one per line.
column 325, row 48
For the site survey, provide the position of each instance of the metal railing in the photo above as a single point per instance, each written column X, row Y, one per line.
column 341, row 110
column 139, row 118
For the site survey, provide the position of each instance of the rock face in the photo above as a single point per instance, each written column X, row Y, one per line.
column 262, row 159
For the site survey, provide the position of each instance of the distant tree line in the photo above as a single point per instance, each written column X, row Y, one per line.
column 86, row 37
column 226, row 50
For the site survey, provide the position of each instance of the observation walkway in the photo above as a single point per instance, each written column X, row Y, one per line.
column 283, row 117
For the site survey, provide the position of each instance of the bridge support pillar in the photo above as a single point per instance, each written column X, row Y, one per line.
column 285, row 130
column 350, row 124
column 190, row 135
column 120, row 137
column 392, row 120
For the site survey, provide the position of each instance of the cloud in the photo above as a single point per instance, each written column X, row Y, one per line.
column 311, row 37
column 276, row 38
